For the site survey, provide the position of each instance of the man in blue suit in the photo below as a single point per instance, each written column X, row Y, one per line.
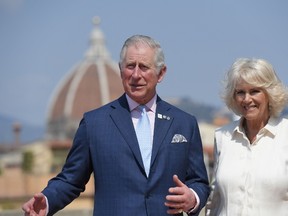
column 106, row 143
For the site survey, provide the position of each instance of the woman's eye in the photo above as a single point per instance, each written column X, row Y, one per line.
column 240, row 93
column 255, row 91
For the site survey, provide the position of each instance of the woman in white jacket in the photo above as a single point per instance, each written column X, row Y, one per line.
column 251, row 154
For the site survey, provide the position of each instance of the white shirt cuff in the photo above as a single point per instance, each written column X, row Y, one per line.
column 47, row 204
column 194, row 209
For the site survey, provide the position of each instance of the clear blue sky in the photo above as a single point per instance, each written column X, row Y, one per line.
column 40, row 42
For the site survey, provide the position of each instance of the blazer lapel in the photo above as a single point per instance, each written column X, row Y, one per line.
column 122, row 119
column 163, row 121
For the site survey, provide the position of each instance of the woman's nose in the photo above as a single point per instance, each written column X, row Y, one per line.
column 247, row 97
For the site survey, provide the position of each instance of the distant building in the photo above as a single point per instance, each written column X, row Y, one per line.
column 91, row 84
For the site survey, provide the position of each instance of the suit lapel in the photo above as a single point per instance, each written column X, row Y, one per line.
column 163, row 121
column 122, row 119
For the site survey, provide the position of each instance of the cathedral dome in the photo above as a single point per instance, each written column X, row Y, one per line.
column 91, row 84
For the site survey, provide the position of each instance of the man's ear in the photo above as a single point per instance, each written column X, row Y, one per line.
column 162, row 73
column 120, row 70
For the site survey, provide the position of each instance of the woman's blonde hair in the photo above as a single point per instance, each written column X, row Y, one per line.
column 258, row 73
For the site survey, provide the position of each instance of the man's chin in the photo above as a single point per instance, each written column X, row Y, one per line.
column 139, row 98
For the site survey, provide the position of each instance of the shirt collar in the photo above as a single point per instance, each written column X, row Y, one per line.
column 239, row 126
column 270, row 126
column 151, row 105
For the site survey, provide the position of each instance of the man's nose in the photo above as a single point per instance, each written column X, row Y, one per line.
column 136, row 72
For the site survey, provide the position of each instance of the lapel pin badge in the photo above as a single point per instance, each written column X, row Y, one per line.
column 160, row 116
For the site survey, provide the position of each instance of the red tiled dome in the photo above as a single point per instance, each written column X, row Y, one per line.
column 91, row 84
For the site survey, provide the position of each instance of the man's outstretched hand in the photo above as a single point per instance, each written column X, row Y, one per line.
column 36, row 206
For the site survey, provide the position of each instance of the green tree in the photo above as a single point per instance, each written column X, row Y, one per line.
column 28, row 160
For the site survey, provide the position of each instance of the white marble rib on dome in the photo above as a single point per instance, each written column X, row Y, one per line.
column 93, row 82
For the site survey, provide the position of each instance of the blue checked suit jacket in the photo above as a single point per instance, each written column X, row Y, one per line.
column 106, row 145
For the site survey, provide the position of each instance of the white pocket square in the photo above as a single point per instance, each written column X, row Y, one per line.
column 178, row 138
